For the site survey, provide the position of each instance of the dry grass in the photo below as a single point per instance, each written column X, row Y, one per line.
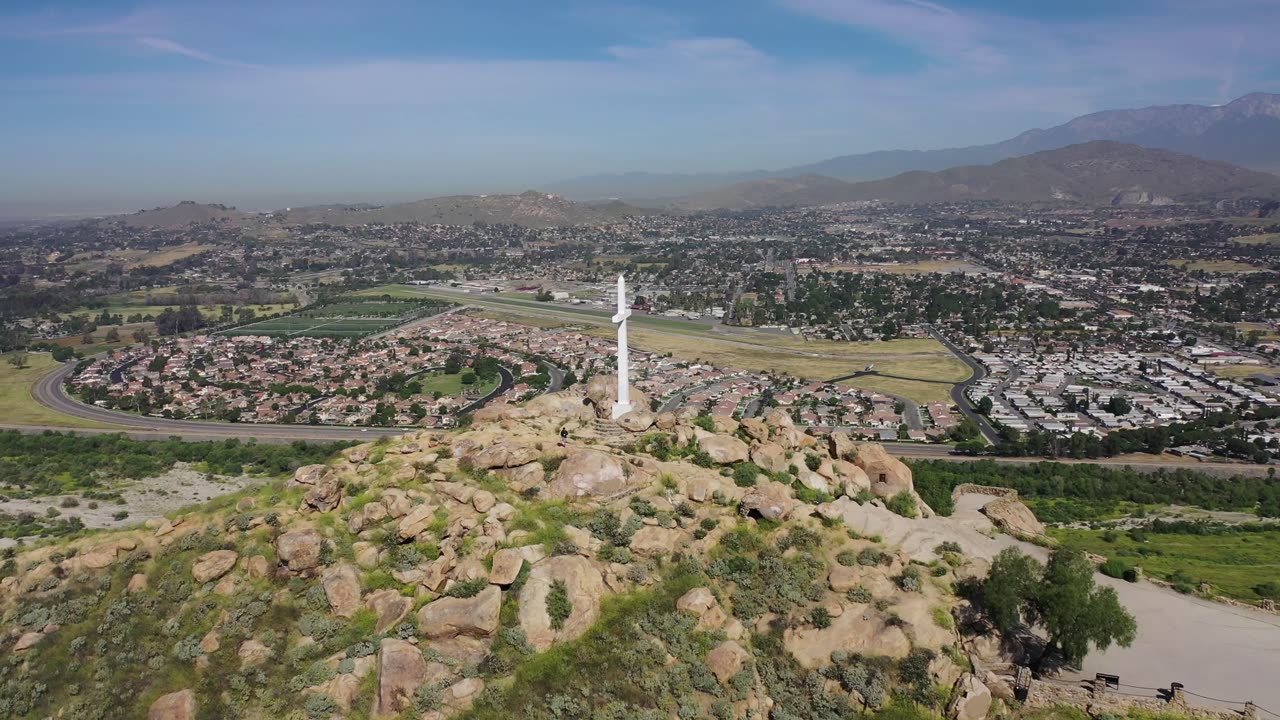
column 932, row 368
column 1267, row 239
column 1218, row 266
column 1239, row 371
column 545, row 323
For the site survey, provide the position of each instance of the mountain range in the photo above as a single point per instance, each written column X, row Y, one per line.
column 1094, row 173
column 529, row 209
column 1243, row 132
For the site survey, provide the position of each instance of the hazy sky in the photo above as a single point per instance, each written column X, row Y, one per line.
column 111, row 105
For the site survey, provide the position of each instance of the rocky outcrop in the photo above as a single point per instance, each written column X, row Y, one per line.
column 390, row 606
column 299, row 550
column 584, row 587
column 769, row 455
column 506, row 566
column 213, row 565
column 889, row 475
column 770, row 500
column 503, row 454
column 1014, row 518
column 342, row 587
column 723, row 449
column 401, row 671
column 842, row 447
column 450, row 617
column 589, row 474
column 727, row 659
column 179, row 705
column 638, row 420
column 972, row 699
column 702, row 604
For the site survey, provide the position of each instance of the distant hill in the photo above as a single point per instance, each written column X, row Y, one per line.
column 1094, row 173
column 1244, row 132
column 183, row 214
column 530, row 209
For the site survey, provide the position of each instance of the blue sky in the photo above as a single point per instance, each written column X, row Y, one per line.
column 113, row 105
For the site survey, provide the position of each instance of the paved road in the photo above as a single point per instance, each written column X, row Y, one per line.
column 958, row 390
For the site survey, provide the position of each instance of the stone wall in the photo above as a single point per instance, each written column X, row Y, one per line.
column 971, row 489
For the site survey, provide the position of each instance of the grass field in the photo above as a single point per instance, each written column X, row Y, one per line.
column 395, row 291
column 451, row 385
column 1215, row 266
column 1264, row 239
column 530, row 320
column 18, row 407
column 1239, row 371
column 1233, row 564
column 293, row 326
column 931, row 368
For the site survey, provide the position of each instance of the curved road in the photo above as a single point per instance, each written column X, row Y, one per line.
column 958, row 390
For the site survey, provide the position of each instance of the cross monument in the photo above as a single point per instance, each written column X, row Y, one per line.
column 623, row 404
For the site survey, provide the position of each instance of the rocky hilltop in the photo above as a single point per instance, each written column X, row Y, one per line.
column 666, row 565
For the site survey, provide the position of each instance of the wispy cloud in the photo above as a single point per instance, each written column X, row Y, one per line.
column 166, row 46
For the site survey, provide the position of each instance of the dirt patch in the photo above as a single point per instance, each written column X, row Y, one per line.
column 144, row 499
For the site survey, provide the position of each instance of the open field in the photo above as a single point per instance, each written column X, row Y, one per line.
column 1233, row 563
column 293, row 326
column 1239, row 371
column 530, row 320
column 395, row 291
column 1265, row 239
column 1216, row 266
column 926, row 368
column 18, row 407
column 451, row 385
column 135, row 258
column 211, row 311
column 1267, row 332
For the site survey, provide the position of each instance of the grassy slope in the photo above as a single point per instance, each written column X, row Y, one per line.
column 18, row 407
column 1233, row 564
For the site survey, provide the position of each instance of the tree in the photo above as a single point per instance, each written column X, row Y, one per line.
column 985, row 405
column 18, row 359
column 1060, row 598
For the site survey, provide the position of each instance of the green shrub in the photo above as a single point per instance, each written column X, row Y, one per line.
column 559, row 607
column 466, row 588
column 744, row 474
column 904, row 504
column 820, row 618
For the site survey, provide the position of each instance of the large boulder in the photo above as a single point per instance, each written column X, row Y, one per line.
column 324, row 495
column 587, row 473
column 564, row 405
column 390, row 606
column 602, row 391
column 524, row 477
column 503, row 454
column 401, row 671
column 723, row 449
column 972, row 699
column 213, row 565
column 769, row 455
column 638, row 420
column 841, row 446
column 300, row 550
column 771, row 500
column 755, row 429
column 888, row 475
column 341, row 584
column 778, row 418
column 506, row 566
column 726, row 659
column 310, row 475
column 415, row 522
column 653, row 540
column 1014, row 518
column 179, row 705
column 701, row 604
column 450, row 617
column 582, row 583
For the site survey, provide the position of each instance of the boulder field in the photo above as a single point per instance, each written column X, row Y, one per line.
column 411, row 577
